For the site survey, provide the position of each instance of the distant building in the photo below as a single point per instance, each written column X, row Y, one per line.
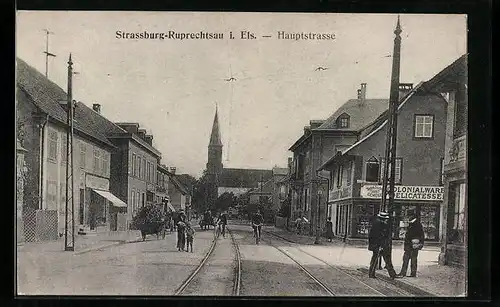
column 321, row 140
column 356, row 172
column 180, row 196
column 278, row 175
column 232, row 180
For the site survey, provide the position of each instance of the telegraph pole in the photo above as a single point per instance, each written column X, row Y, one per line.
column 47, row 53
column 389, row 170
column 69, row 227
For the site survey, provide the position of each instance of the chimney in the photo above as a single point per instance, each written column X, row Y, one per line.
column 315, row 123
column 362, row 93
column 307, row 129
column 141, row 133
column 96, row 107
column 404, row 89
column 172, row 170
column 149, row 139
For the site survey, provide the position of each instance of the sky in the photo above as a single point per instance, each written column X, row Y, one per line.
column 171, row 87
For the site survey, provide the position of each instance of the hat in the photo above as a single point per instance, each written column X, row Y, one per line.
column 383, row 215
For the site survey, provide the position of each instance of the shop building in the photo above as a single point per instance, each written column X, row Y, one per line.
column 355, row 187
column 321, row 139
column 451, row 82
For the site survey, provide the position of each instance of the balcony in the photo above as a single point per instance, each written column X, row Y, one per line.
column 458, row 154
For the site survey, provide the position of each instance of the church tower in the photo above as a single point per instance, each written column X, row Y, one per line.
column 214, row 162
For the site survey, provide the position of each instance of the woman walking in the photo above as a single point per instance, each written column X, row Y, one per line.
column 181, row 235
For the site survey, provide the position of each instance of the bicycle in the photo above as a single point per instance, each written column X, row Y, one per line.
column 256, row 230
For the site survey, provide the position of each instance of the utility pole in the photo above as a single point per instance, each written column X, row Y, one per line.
column 47, row 53
column 69, row 227
column 389, row 170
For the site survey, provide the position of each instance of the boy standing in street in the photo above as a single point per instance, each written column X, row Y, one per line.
column 189, row 237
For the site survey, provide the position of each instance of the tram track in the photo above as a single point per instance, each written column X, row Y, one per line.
column 400, row 292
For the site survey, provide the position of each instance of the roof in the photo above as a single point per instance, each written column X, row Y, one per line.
column 215, row 138
column 359, row 114
column 47, row 96
column 450, row 73
column 178, row 185
column 376, row 125
column 243, row 178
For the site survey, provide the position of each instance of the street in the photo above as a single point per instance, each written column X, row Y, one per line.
column 275, row 267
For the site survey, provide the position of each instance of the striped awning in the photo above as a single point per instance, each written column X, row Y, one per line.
column 113, row 199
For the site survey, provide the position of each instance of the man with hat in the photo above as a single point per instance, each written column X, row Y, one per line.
column 379, row 244
column 414, row 241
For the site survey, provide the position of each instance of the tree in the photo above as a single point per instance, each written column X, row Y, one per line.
column 225, row 201
column 200, row 191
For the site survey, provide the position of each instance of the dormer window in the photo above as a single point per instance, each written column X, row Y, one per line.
column 343, row 121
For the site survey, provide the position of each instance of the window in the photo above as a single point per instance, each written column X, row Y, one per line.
column 143, row 198
column 144, row 168
column 459, row 214
column 340, row 171
column 397, row 173
column 62, row 197
column 344, row 122
column 51, row 194
column 133, row 164
column 97, row 160
column 372, row 170
column 148, row 168
column 52, row 152
column 332, row 179
column 139, row 167
column 424, row 126
column 441, row 175
column 306, row 199
column 105, row 163
column 64, row 149
column 83, row 155
column 349, row 172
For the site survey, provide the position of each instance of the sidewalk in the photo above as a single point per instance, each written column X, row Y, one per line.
column 432, row 278
column 83, row 243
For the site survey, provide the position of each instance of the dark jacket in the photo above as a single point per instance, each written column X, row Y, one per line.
column 414, row 231
column 257, row 219
column 223, row 219
column 378, row 236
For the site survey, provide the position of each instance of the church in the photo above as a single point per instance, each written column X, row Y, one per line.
column 235, row 180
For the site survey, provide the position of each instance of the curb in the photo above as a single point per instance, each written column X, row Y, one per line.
column 99, row 247
column 401, row 284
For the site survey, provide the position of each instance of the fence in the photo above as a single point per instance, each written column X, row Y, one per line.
column 39, row 225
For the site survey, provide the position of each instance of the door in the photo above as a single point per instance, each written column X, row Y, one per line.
column 81, row 208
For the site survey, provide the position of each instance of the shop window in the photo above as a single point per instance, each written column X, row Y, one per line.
column 372, row 170
column 364, row 219
column 83, row 155
column 458, row 217
column 424, row 126
column 429, row 218
column 397, row 173
column 401, row 220
column 52, row 144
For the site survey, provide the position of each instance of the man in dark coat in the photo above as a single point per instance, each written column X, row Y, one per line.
column 414, row 241
column 379, row 243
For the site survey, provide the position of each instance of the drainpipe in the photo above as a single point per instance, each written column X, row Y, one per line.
column 40, row 171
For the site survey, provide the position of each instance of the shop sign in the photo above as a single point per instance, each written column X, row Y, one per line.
column 339, row 194
column 95, row 182
column 433, row 193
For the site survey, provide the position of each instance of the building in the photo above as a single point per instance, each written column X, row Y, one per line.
column 355, row 188
column 231, row 180
column 278, row 175
column 180, row 196
column 162, row 183
column 451, row 82
column 134, row 166
column 41, row 107
column 321, row 139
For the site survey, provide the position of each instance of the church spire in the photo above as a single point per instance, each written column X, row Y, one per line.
column 215, row 138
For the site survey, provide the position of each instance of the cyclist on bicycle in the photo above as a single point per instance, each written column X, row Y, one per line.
column 222, row 222
column 257, row 221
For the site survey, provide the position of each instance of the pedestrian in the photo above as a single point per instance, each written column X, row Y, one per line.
column 189, row 237
column 379, row 244
column 414, row 241
column 329, row 229
column 181, row 235
column 223, row 222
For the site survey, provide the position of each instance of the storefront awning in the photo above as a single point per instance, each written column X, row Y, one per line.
column 115, row 200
